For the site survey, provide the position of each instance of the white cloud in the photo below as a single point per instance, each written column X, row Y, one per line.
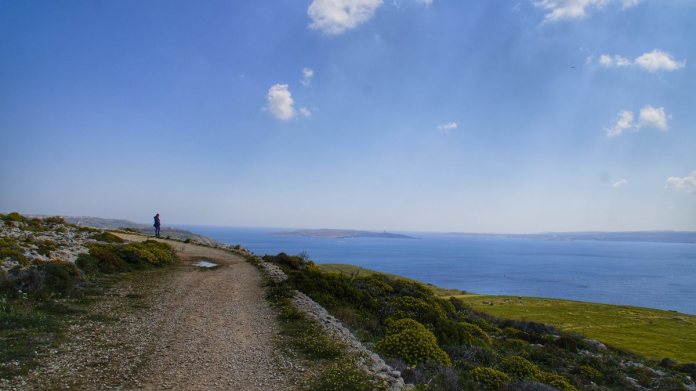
column 608, row 61
column 630, row 3
column 305, row 112
column 687, row 183
column 567, row 9
column 653, row 61
column 337, row 16
column 448, row 126
column 619, row 183
column 557, row 10
column 307, row 75
column 658, row 60
column 649, row 117
column 425, row 2
column 653, row 116
column 280, row 102
column 624, row 121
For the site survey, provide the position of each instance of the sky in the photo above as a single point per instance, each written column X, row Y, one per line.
column 405, row 115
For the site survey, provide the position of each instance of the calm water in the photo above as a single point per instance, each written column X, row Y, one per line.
column 658, row 275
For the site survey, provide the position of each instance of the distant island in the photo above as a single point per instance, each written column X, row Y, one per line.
column 340, row 234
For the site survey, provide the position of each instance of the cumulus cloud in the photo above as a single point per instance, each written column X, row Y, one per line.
column 448, row 126
column 619, row 183
column 653, row 117
column 624, row 122
column 307, row 75
column 280, row 102
column 557, row 10
column 658, row 60
column 336, row 16
column 654, row 61
column 686, row 184
column 648, row 117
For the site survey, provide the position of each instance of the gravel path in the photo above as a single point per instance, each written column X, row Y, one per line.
column 217, row 331
column 182, row 328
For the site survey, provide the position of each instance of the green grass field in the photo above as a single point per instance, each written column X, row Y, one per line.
column 652, row 333
column 649, row 332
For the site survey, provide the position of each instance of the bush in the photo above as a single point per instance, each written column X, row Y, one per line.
column 116, row 258
column 150, row 251
column 491, row 378
column 316, row 345
column 418, row 309
column 519, row 367
column 9, row 248
column 45, row 247
column 107, row 260
column 589, row 372
column 345, row 376
column 55, row 220
column 555, row 380
column 14, row 217
column 413, row 343
column 58, row 278
column 107, row 237
column 55, row 278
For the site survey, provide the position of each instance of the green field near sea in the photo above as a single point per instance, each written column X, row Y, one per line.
column 652, row 333
column 655, row 334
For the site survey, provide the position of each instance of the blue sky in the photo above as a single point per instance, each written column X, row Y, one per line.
column 442, row 115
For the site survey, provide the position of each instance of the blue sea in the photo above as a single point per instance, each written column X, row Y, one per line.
column 656, row 275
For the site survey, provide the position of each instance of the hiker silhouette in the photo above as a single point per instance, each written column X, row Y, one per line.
column 157, row 225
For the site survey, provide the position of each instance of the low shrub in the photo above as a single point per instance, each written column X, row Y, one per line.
column 556, row 381
column 45, row 279
column 55, row 220
column 316, row 344
column 45, row 247
column 412, row 343
column 106, row 258
column 519, row 367
column 589, row 372
column 345, row 376
column 14, row 217
column 491, row 378
column 107, row 237
column 9, row 248
column 57, row 278
column 150, row 251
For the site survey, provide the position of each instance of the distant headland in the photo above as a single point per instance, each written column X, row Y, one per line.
column 340, row 234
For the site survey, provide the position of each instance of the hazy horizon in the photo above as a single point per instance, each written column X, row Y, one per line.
column 408, row 115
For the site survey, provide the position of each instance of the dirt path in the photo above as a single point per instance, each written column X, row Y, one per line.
column 180, row 328
column 216, row 329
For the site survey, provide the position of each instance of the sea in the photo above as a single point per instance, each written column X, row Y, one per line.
column 645, row 274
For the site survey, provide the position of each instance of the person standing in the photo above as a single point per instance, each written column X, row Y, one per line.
column 157, row 225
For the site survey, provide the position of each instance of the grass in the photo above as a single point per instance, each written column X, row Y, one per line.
column 357, row 271
column 655, row 334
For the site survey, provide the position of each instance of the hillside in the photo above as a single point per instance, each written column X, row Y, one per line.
column 447, row 344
